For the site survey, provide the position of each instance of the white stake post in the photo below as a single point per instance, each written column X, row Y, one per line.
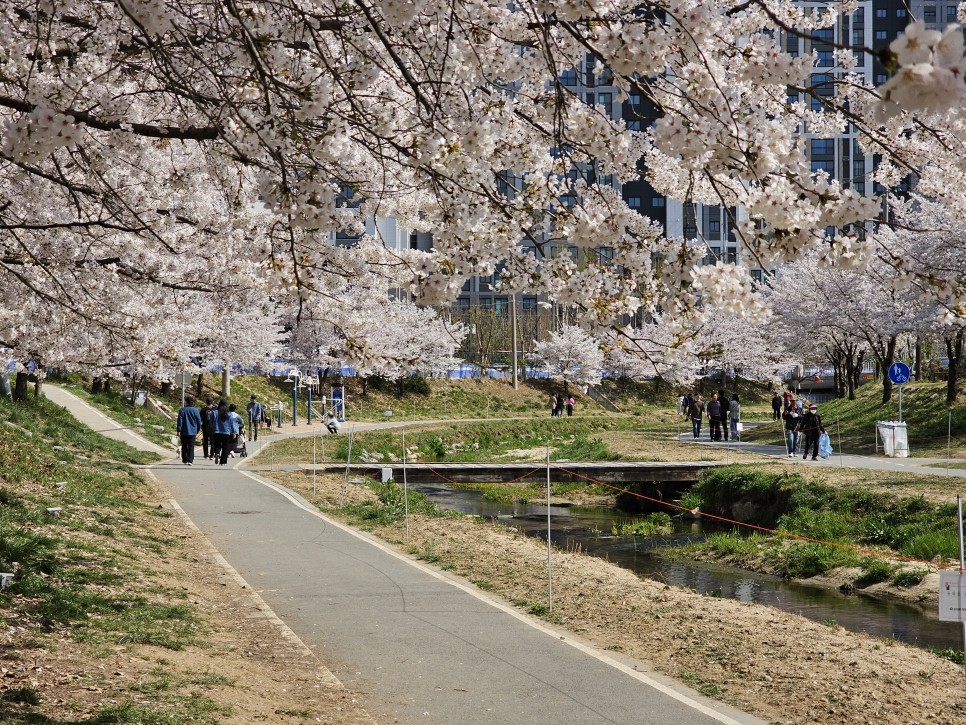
column 345, row 480
column 962, row 566
column 315, row 460
column 838, row 432
column 549, row 548
column 405, row 486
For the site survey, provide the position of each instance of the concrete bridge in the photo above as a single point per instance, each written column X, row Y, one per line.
column 661, row 481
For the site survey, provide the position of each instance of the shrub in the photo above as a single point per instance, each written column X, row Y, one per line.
column 930, row 544
column 804, row 560
column 906, row 578
column 874, row 571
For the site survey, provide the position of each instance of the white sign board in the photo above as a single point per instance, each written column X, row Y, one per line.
column 952, row 596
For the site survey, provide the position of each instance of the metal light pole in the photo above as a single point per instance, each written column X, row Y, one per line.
column 513, row 325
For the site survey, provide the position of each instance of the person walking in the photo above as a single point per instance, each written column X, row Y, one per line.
column 686, row 405
column 697, row 413
column 239, row 428
column 776, row 406
column 226, row 433
column 714, row 418
column 189, row 426
column 812, row 427
column 570, row 405
column 792, row 420
column 553, row 405
column 734, row 410
column 560, row 405
column 255, row 413
column 208, row 428
column 725, row 412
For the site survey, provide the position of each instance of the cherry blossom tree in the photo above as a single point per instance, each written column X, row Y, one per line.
column 137, row 136
column 572, row 356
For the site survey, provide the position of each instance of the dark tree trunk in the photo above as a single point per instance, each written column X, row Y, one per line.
column 401, row 386
column 954, row 351
column 38, row 386
column 200, row 385
column 166, row 388
column 365, row 385
column 107, row 385
column 20, row 387
column 918, row 370
column 97, row 385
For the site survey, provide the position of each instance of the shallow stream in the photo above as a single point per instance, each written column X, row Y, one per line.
column 588, row 529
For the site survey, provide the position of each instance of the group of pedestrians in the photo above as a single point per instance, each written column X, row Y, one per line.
column 221, row 428
column 724, row 416
column 557, row 404
column 801, row 424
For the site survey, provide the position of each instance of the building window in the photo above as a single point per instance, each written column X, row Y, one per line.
column 635, row 99
column 826, row 59
column 463, row 304
column 929, row 13
column 605, row 255
column 900, row 12
column 634, row 202
column 824, row 165
column 634, row 125
column 486, row 303
column 528, row 303
column 732, row 255
column 569, row 77
column 756, row 275
column 881, row 35
column 880, row 78
column 951, row 14
column 657, row 201
column 714, row 228
column 605, row 99
column 502, row 305
column 881, row 12
column 413, row 240
column 823, row 146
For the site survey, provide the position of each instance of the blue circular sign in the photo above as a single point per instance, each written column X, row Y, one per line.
column 899, row 373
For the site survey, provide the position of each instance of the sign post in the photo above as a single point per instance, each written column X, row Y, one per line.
column 899, row 374
column 952, row 586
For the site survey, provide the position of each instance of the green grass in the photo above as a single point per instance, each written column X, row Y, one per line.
column 390, row 507
column 568, row 438
column 78, row 576
column 654, row 524
column 800, row 507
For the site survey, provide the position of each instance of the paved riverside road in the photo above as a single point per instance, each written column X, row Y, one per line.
column 423, row 646
column 838, row 459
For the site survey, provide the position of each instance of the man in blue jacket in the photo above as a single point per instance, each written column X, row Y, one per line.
column 189, row 425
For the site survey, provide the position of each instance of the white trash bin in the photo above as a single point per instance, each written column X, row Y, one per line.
column 894, row 437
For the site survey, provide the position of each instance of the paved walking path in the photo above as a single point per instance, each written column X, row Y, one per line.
column 100, row 423
column 837, row 459
column 422, row 645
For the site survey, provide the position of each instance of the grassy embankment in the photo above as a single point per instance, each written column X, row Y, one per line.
column 74, row 536
column 924, row 410
column 156, row 428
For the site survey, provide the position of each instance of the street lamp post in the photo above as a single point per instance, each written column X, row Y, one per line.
column 293, row 377
column 513, row 337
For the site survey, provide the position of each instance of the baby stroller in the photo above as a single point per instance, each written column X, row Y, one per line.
column 241, row 447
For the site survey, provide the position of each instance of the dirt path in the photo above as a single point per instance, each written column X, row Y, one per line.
column 779, row 666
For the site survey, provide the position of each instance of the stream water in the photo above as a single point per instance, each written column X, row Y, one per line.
column 589, row 530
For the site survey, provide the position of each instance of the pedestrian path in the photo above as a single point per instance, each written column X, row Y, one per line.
column 420, row 644
column 837, row 459
column 99, row 422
